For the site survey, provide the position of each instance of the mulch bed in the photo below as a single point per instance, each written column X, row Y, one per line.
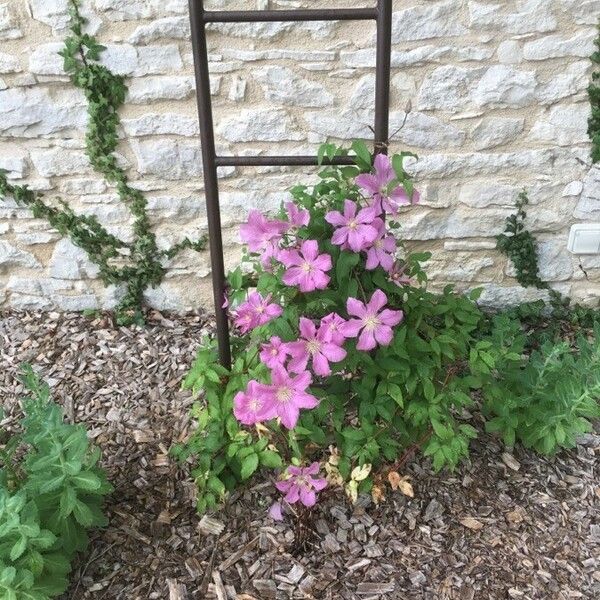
column 502, row 526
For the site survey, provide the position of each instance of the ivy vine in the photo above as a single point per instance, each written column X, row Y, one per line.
column 518, row 243
column 594, row 95
column 137, row 264
column 520, row 246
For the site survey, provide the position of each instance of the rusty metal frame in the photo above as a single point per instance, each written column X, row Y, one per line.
column 199, row 18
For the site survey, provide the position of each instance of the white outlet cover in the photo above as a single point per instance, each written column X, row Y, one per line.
column 584, row 238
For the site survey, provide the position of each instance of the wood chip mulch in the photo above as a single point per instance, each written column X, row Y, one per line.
column 503, row 526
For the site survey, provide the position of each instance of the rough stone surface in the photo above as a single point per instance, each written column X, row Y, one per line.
column 260, row 125
column 281, row 86
column 434, row 20
column 10, row 256
column 496, row 131
column 490, row 95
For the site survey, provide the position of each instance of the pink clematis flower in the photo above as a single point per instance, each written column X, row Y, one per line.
column 259, row 232
column 353, row 229
column 268, row 253
column 376, row 186
column 302, row 485
column 306, row 268
column 383, row 249
column 253, row 405
column 298, row 217
column 255, row 311
column 316, row 347
column 274, row 353
column 331, row 325
column 288, row 395
column 375, row 327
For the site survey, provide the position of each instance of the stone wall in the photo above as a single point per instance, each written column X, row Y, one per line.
column 496, row 101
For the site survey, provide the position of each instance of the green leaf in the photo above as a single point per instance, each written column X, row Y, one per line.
column 18, row 548
column 249, row 465
column 83, row 514
column 362, row 153
column 86, row 480
column 270, row 459
column 428, row 389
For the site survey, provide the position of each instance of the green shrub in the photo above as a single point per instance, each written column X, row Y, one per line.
column 543, row 400
column 51, row 493
column 374, row 404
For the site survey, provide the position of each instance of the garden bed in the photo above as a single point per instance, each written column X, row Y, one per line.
column 503, row 525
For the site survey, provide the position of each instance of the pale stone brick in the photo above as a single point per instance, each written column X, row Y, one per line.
column 260, row 125
column 282, row 86
column 557, row 46
column 436, row 19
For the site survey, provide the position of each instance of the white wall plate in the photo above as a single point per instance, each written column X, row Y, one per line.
column 584, row 238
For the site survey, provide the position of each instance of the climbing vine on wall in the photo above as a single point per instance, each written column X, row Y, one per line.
column 136, row 264
column 520, row 246
column 594, row 94
column 518, row 243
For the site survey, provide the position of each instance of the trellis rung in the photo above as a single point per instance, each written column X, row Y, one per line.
column 280, row 161
column 255, row 16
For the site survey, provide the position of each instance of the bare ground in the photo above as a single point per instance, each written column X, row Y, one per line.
column 503, row 526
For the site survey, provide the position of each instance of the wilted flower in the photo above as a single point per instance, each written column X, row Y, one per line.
column 258, row 232
column 376, row 186
column 375, row 327
column 397, row 275
column 314, row 346
column 301, row 484
column 255, row 311
column 306, row 268
column 352, row 228
column 276, row 511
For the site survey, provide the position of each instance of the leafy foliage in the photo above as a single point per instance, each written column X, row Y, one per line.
column 375, row 404
column 520, row 246
column 546, row 401
column 51, row 492
column 594, row 95
column 137, row 264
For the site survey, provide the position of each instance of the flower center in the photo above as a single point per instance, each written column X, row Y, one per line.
column 378, row 244
column 254, row 404
column 371, row 322
column 307, row 267
column 313, row 346
column 303, row 481
column 352, row 224
column 260, row 309
column 284, row 394
column 273, row 351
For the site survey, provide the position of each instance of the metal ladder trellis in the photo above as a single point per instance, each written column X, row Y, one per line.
column 199, row 18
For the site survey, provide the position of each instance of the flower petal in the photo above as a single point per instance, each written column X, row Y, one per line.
column 383, row 335
column 377, row 302
column 355, row 308
column 351, row 328
column 391, row 317
column 307, row 497
column 366, row 341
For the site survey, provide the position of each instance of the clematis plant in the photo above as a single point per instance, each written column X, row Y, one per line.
column 336, row 343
